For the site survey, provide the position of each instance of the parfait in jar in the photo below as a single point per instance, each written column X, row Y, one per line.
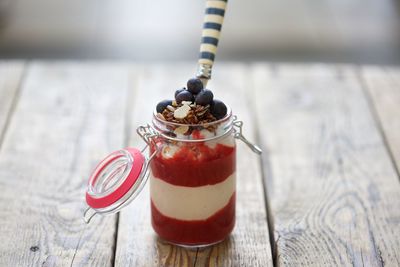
column 193, row 172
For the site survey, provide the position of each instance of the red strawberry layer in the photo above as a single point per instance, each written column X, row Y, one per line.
column 195, row 164
column 196, row 232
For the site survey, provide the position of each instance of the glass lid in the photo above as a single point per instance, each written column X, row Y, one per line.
column 115, row 182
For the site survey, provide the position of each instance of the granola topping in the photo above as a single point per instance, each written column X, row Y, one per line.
column 188, row 114
column 192, row 106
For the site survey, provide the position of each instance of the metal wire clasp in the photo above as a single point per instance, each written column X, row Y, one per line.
column 148, row 134
column 237, row 131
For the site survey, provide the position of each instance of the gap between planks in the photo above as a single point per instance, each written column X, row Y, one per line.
column 19, row 75
column 129, row 102
column 265, row 166
column 384, row 112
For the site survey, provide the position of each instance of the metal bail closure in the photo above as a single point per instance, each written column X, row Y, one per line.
column 237, row 128
column 116, row 181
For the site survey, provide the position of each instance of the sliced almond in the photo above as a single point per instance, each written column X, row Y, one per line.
column 170, row 108
column 181, row 112
column 181, row 129
column 187, row 103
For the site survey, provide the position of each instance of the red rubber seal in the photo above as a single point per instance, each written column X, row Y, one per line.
column 118, row 193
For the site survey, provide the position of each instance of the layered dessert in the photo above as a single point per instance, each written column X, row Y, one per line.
column 193, row 176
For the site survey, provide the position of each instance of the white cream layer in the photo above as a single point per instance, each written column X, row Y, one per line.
column 191, row 203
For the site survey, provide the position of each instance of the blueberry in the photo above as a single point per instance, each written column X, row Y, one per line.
column 179, row 91
column 218, row 109
column 204, row 98
column 184, row 96
column 194, row 85
column 163, row 105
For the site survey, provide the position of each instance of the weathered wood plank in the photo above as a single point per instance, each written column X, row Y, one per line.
column 332, row 189
column 68, row 117
column 10, row 79
column 383, row 85
column 249, row 245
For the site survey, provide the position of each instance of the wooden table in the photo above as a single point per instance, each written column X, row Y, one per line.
column 325, row 192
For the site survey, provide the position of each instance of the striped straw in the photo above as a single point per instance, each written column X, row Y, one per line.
column 213, row 19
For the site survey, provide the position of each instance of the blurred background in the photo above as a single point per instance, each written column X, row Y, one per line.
column 354, row 31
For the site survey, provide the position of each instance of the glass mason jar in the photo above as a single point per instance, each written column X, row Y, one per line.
column 193, row 181
column 192, row 170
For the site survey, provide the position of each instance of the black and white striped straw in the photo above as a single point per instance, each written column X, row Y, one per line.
column 213, row 19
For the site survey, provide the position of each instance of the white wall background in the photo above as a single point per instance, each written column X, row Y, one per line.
column 336, row 30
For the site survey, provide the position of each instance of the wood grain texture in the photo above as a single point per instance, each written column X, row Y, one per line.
column 68, row 117
column 10, row 80
column 332, row 189
column 383, row 86
column 249, row 244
